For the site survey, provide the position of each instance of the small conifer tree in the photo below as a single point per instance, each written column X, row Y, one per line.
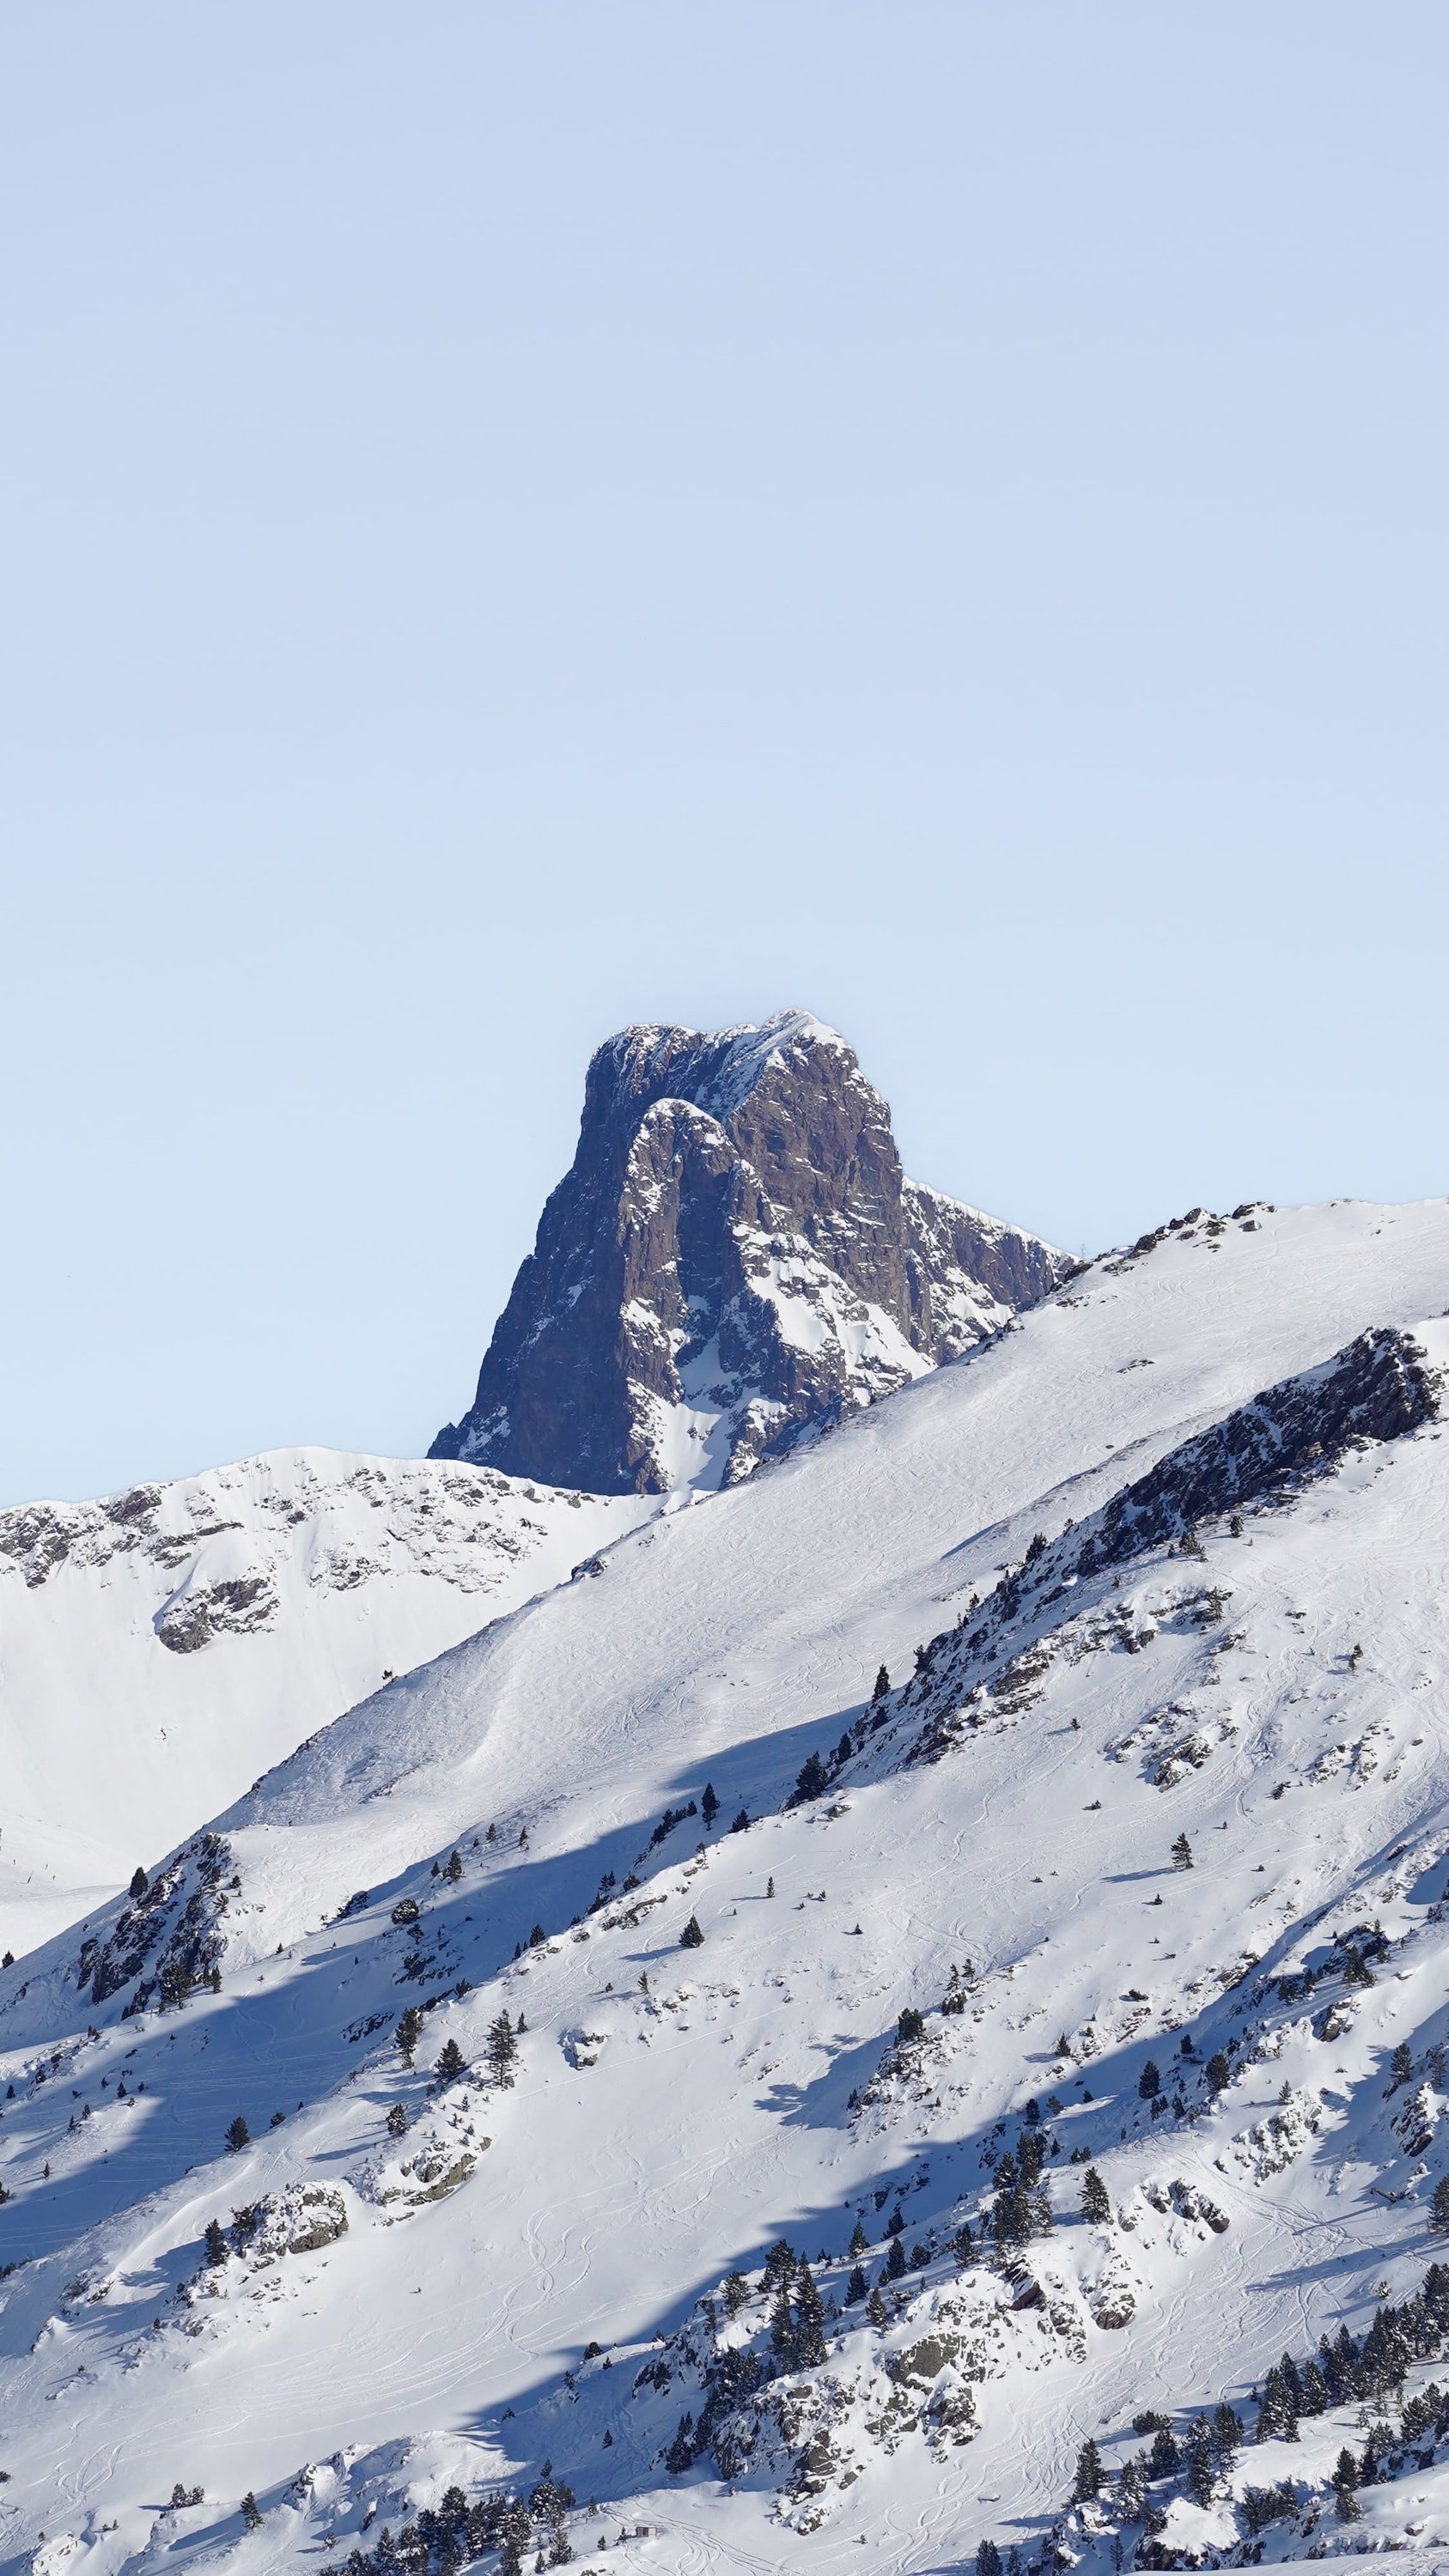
column 1096, row 2201
column 691, row 1938
column 812, row 1781
column 1219, row 2072
column 216, row 2245
column 875, row 2308
column 408, row 2032
column 1088, row 2482
column 1163, row 2460
column 451, row 2063
column 1401, row 2064
column 501, row 2050
column 988, row 2559
column 709, row 1803
column 139, row 1883
column 238, row 2135
column 1149, row 2082
column 397, row 2121
column 855, row 2288
column 453, row 1866
column 1182, row 1853
column 895, row 2263
column 251, row 2511
column 1439, row 2204
column 882, row 1684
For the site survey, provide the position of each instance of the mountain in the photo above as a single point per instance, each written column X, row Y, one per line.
column 1080, row 1978
column 734, row 1261
column 160, row 1648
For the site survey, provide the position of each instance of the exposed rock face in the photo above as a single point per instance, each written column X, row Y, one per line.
column 735, row 1261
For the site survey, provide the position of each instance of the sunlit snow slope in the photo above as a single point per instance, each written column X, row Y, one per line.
column 1171, row 1550
column 160, row 1648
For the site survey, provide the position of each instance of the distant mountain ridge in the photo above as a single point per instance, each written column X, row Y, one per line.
column 734, row 1261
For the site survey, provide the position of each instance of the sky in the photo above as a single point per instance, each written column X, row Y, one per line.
column 515, row 520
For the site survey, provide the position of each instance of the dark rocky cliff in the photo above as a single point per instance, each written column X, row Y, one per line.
column 735, row 1260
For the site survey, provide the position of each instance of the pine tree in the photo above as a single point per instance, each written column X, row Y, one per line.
column 709, row 1804
column 895, row 2265
column 1149, row 2082
column 1219, row 2072
column 882, row 1685
column 251, row 2511
column 1163, row 2460
column 139, row 1883
column 809, row 2321
column 782, row 2328
column 1182, row 1853
column 741, row 1823
column 812, row 1781
column 1088, row 2483
column 855, row 2288
column 1200, row 2461
column 216, row 2245
column 1439, row 2203
column 988, row 2559
column 910, row 2026
column 859, row 2241
column 451, row 2064
column 875, row 2308
column 1344, row 2481
column 453, row 1866
column 1401, row 2064
column 1096, row 2200
column 736, row 2293
column 408, row 2032
column 1132, row 2488
column 680, row 2454
column 501, row 2050
column 238, row 2135
column 397, row 2121
column 1227, row 2431
column 769, row 1887
column 691, row 1938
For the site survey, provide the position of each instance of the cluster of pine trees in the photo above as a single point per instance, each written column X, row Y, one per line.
column 1367, row 2370
column 439, row 2542
column 1021, row 2208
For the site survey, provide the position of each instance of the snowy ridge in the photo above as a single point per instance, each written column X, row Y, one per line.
column 216, row 1621
column 1167, row 1910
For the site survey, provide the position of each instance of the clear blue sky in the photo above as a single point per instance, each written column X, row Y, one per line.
column 521, row 518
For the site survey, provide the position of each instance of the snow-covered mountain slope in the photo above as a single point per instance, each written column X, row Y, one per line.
column 160, row 1648
column 1171, row 1550
column 734, row 1262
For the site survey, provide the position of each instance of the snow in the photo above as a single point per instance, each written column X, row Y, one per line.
column 661, row 2134
column 113, row 1743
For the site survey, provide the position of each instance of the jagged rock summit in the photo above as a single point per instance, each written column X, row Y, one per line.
column 735, row 1261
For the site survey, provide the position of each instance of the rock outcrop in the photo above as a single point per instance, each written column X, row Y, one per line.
column 734, row 1262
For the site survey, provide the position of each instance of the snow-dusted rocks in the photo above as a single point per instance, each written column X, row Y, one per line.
column 734, row 1260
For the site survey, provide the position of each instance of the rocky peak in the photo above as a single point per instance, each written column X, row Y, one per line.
column 734, row 1261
